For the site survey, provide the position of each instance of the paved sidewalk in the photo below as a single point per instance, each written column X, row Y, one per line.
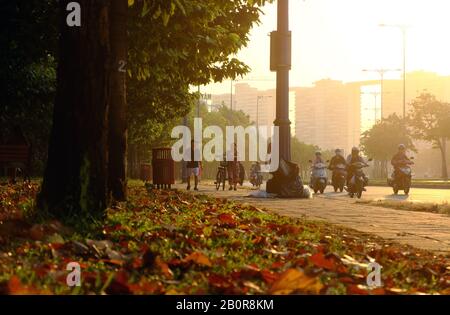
column 424, row 230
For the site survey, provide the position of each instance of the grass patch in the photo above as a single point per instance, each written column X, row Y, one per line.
column 441, row 208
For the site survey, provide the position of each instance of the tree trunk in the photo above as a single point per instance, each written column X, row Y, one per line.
column 117, row 168
column 443, row 148
column 75, row 180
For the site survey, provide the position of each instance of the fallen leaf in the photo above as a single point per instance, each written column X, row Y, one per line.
column 199, row 259
column 227, row 218
column 294, row 280
column 163, row 267
column 329, row 262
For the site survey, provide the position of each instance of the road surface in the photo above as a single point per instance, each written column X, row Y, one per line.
column 385, row 193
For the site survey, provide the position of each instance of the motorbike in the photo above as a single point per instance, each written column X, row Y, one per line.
column 319, row 177
column 359, row 180
column 401, row 179
column 256, row 178
column 338, row 178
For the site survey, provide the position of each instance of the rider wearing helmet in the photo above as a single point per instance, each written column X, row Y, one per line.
column 337, row 159
column 353, row 158
column 399, row 159
column 318, row 158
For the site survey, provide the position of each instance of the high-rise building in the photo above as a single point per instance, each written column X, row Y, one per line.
column 328, row 115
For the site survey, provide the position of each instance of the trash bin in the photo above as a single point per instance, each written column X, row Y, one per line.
column 146, row 172
column 163, row 168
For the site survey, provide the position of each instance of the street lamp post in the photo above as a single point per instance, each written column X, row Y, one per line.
column 403, row 29
column 381, row 72
column 281, row 63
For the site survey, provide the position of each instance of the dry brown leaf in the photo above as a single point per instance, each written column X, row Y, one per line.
column 294, row 280
column 199, row 259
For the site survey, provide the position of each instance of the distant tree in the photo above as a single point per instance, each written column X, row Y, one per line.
column 302, row 153
column 382, row 140
column 430, row 120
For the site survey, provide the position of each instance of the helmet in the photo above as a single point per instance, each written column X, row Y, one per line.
column 338, row 151
column 318, row 153
column 402, row 147
column 355, row 149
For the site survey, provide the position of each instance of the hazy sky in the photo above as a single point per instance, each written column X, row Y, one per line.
column 338, row 38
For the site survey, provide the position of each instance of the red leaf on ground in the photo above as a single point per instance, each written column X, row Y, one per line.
column 277, row 264
column 268, row 276
column 321, row 261
column 355, row 290
column 227, row 218
column 346, row 280
column 288, row 229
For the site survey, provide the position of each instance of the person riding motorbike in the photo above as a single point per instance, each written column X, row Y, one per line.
column 354, row 157
column 255, row 174
column 400, row 159
column 317, row 160
column 337, row 160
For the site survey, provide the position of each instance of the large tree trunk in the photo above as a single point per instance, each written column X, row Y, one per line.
column 117, row 185
column 443, row 148
column 75, row 180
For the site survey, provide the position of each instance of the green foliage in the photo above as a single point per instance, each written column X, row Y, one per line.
column 382, row 140
column 174, row 45
column 301, row 153
column 430, row 118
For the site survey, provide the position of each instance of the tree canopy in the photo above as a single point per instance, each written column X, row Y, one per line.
column 430, row 121
column 178, row 44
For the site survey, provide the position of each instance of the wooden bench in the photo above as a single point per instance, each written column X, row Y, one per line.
column 14, row 157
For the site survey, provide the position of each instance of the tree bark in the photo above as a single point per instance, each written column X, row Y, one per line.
column 75, row 180
column 117, row 168
column 443, row 148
